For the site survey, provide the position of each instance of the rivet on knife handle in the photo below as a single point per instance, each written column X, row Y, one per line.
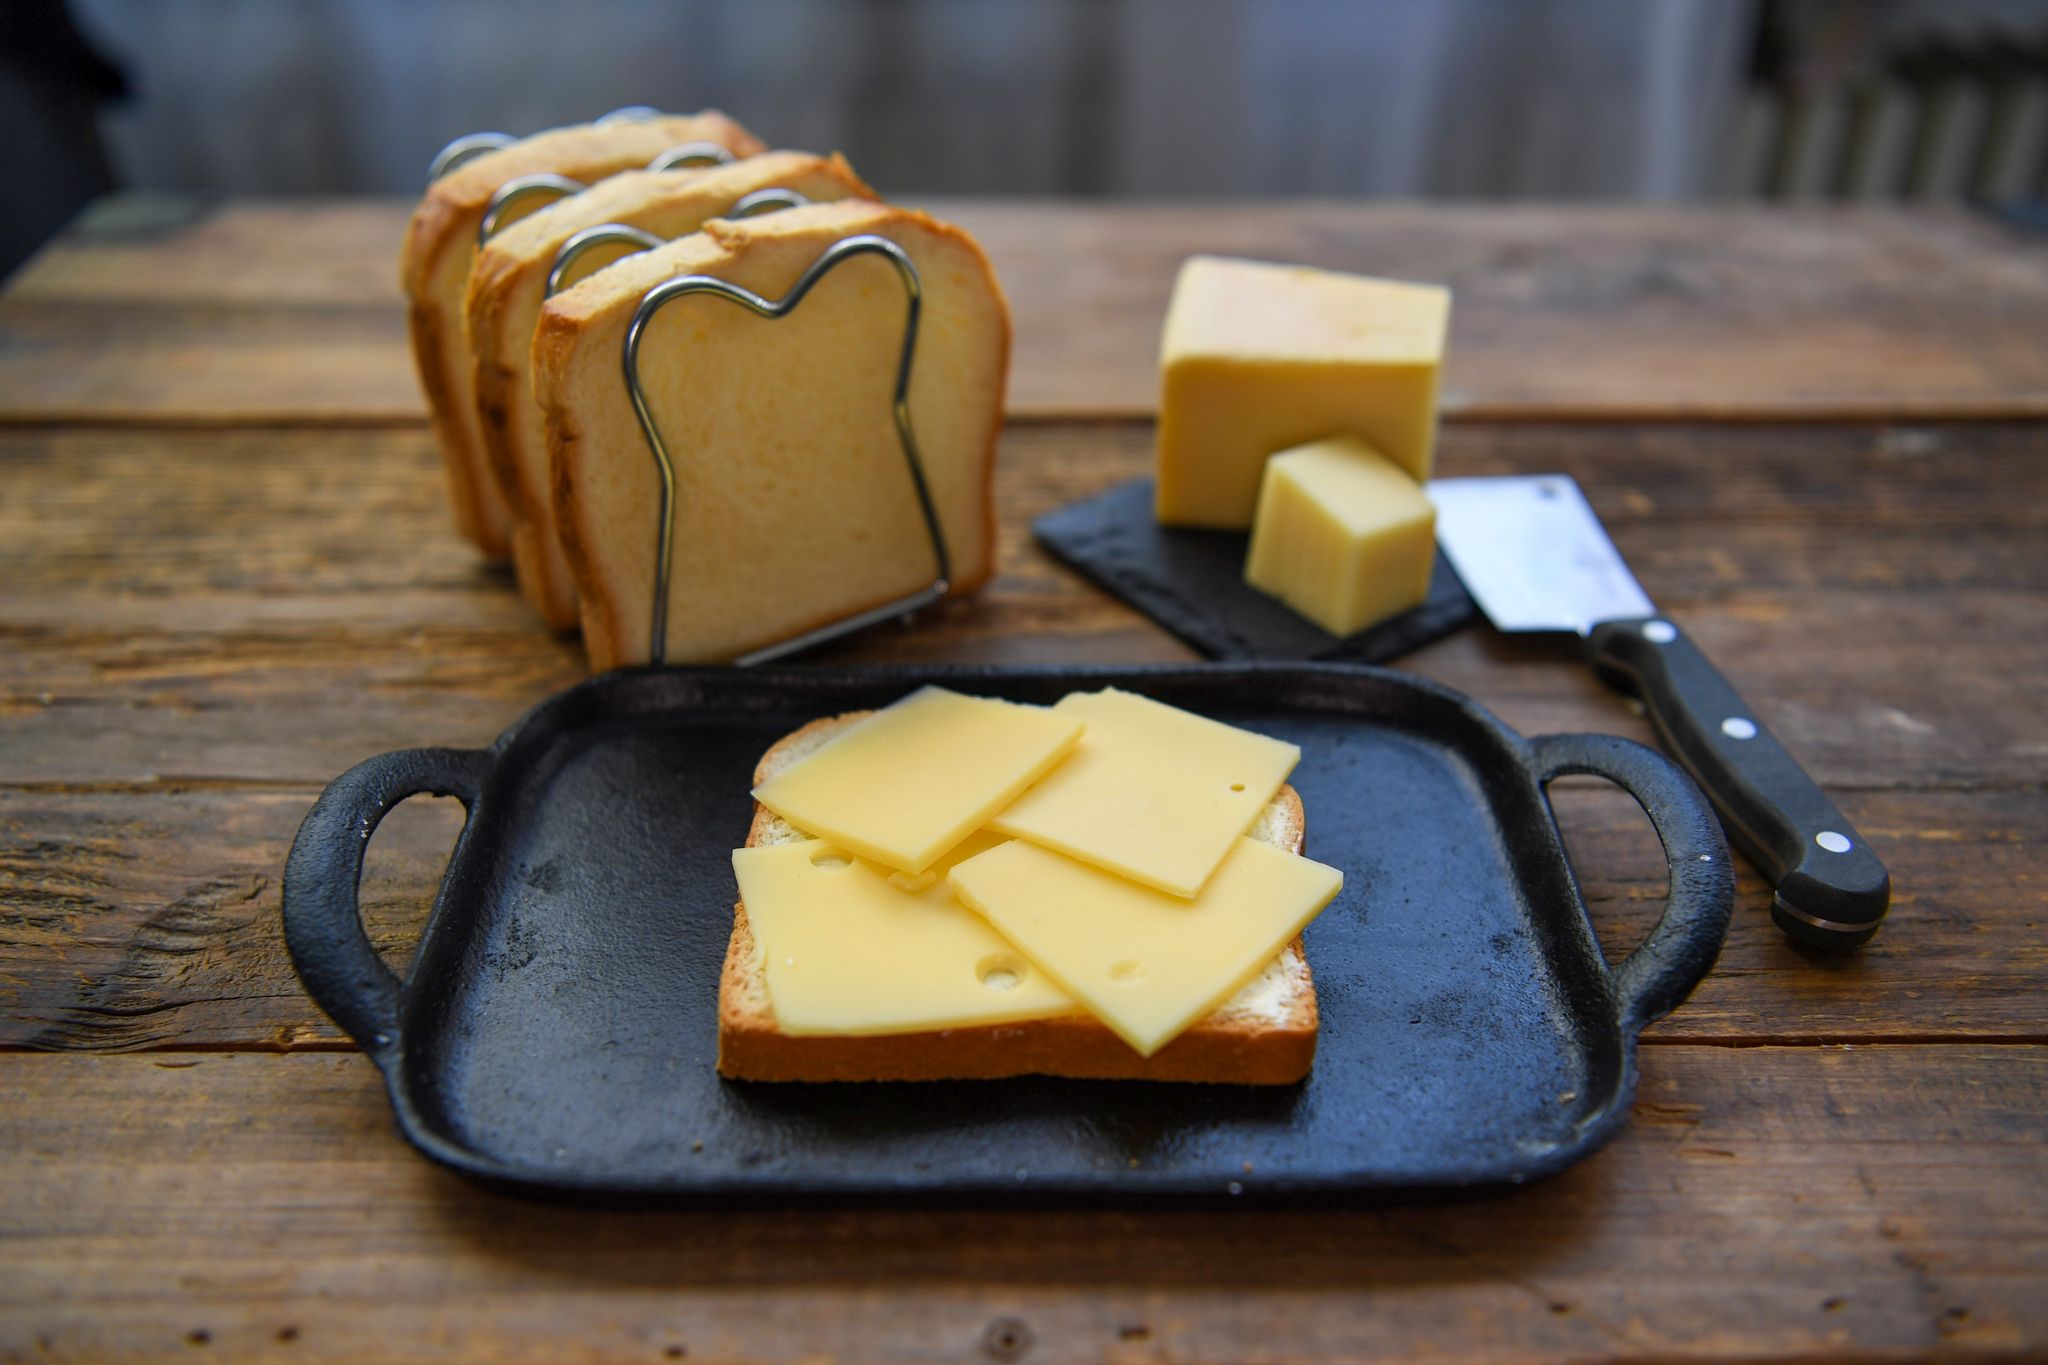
column 1831, row 889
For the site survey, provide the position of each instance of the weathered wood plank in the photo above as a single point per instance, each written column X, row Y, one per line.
column 1764, row 1202
column 1627, row 313
column 293, row 601
column 1921, row 707
column 258, row 312
column 150, row 919
column 118, row 517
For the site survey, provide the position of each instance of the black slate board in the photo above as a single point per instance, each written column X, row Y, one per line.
column 1192, row 583
column 557, row 1029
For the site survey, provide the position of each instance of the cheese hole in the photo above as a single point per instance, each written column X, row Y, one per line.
column 1000, row 971
column 1127, row 971
column 830, row 861
column 1237, row 786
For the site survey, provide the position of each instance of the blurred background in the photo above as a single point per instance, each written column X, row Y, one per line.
column 1557, row 99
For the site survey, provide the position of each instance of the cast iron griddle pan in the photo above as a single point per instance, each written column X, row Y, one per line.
column 558, row 1028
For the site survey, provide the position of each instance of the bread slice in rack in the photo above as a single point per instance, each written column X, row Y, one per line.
column 793, row 504
column 506, row 289
column 440, row 244
column 1263, row 1035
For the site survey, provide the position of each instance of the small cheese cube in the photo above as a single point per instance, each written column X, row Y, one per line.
column 1257, row 358
column 1343, row 536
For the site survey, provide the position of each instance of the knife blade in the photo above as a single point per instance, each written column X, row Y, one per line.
column 1535, row 557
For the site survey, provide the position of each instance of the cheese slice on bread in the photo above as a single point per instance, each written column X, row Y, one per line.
column 440, row 244
column 1265, row 1034
column 793, row 506
column 509, row 283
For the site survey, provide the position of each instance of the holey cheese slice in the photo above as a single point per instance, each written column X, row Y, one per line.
column 912, row 780
column 793, row 505
column 845, row 952
column 507, row 287
column 1152, row 792
column 1146, row 963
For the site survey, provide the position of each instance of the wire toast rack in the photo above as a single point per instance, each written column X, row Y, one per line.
column 667, row 292
column 525, row 189
column 522, row 189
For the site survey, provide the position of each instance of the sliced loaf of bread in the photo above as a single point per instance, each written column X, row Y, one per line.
column 440, row 245
column 793, row 504
column 509, row 283
column 1263, row 1035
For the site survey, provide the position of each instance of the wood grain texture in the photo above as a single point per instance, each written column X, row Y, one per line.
column 186, row 661
column 227, row 572
column 152, row 311
column 1766, row 1201
column 192, row 629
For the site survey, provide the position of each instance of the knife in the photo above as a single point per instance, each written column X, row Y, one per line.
column 1535, row 557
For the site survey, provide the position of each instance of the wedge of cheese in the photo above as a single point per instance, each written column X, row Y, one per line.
column 440, row 245
column 1257, row 358
column 509, row 283
column 793, row 505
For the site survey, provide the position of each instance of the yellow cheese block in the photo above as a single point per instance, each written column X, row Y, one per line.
column 910, row 781
column 1343, row 535
column 1152, row 792
column 844, row 952
column 1146, row 963
column 1257, row 358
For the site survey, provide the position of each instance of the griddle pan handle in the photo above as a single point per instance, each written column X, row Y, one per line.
column 323, row 924
column 1664, row 968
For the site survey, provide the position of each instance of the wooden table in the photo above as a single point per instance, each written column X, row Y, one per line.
column 227, row 573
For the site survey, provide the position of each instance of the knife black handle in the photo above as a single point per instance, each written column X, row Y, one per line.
column 1831, row 889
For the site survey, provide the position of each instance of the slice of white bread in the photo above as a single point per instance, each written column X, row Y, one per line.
column 1263, row 1035
column 793, row 504
column 440, row 244
column 506, row 289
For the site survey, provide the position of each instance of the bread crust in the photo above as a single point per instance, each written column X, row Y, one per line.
column 423, row 328
column 571, row 313
column 445, row 221
column 1214, row 1050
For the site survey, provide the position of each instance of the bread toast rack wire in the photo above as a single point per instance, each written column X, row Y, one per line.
column 667, row 292
column 761, row 201
column 472, row 145
column 524, row 188
column 623, row 234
